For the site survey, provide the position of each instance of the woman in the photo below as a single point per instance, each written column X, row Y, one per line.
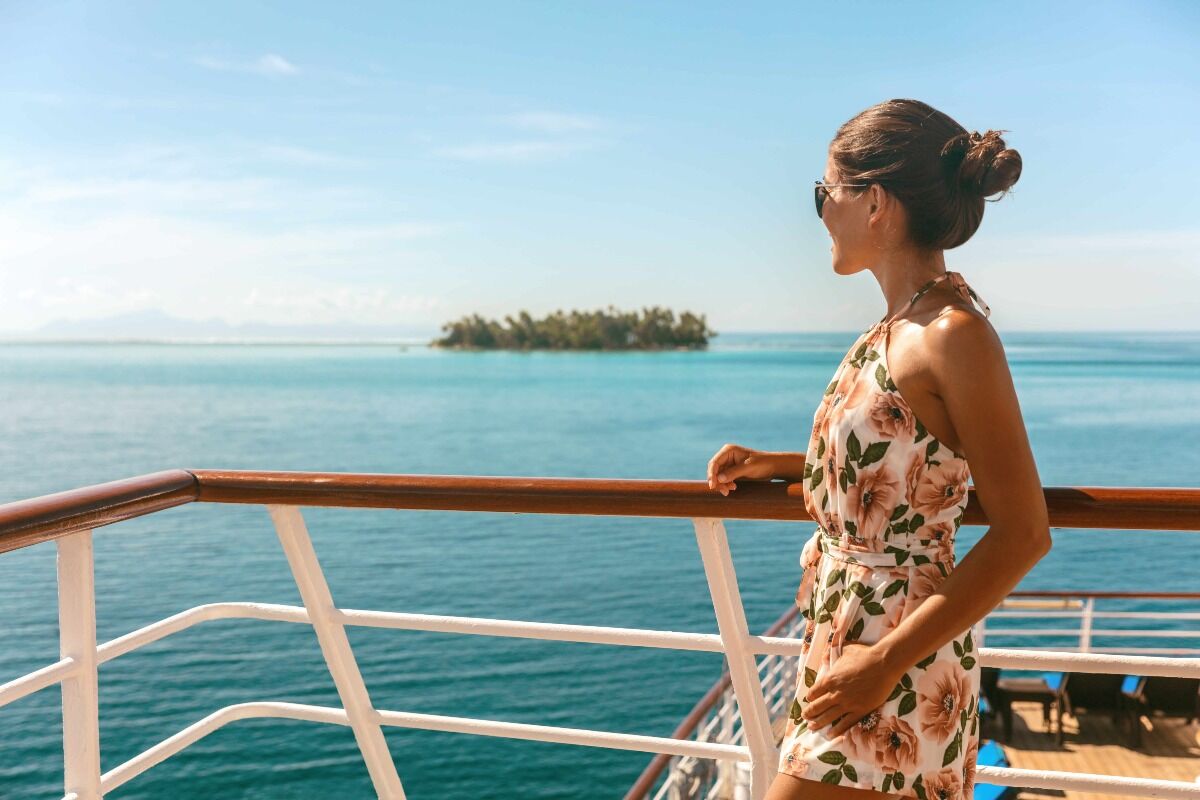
column 887, row 696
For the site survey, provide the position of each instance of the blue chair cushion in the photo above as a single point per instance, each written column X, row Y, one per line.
column 984, row 706
column 1129, row 685
column 992, row 755
column 1053, row 679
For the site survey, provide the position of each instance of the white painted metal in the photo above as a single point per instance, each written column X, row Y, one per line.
column 1086, row 634
column 735, row 635
column 33, row 681
column 593, row 634
column 80, row 686
column 1058, row 660
column 197, row 731
column 335, row 646
column 193, row 616
column 1081, row 782
column 550, row 733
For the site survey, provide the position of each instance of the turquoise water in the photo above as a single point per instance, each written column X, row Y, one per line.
column 1101, row 409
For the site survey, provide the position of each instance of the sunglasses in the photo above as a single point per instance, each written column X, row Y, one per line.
column 821, row 191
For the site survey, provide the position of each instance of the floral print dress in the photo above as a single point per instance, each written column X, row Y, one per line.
column 888, row 499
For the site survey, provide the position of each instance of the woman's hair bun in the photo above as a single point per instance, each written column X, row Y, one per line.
column 980, row 163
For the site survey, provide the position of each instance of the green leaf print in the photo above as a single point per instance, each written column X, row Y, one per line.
column 853, row 447
column 873, row 608
column 881, row 376
column 850, row 525
column 958, row 651
column 917, row 521
column 894, row 587
column 919, row 788
column 920, row 429
column 952, row 751
column 850, row 771
column 887, row 782
column 856, row 630
column 832, row 757
column 851, row 475
column 817, row 474
column 795, row 712
column 895, row 692
column 898, row 780
column 907, row 703
column 807, row 470
column 834, row 577
column 962, row 718
column 832, row 385
column 900, row 553
column 873, row 453
column 968, row 643
column 899, row 511
column 843, row 481
column 906, row 681
column 820, row 446
column 862, row 349
column 930, row 449
column 967, row 662
column 833, row 776
column 859, row 588
column 810, row 676
column 926, row 661
column 920, row 559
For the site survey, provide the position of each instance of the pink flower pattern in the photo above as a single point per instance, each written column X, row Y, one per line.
column 880, row 485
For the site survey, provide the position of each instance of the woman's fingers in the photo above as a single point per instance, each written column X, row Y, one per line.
column 720, row 464
column 844, row 724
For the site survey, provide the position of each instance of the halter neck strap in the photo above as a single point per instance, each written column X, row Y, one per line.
column 956, row 280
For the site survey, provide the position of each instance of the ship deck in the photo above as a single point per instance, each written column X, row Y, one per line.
column 1170, row 748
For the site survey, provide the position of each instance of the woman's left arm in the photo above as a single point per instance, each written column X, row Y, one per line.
column 975, row 383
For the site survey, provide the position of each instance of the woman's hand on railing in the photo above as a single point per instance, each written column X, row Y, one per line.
column 733, row 461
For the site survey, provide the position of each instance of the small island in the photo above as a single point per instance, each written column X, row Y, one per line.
column 652, row 329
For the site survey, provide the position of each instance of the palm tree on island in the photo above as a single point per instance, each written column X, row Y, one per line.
column 652, row 329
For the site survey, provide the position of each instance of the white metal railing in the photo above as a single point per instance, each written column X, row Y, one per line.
column 76, row 672
column 1084, row 610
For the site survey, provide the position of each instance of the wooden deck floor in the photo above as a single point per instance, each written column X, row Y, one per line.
column 1170, row 749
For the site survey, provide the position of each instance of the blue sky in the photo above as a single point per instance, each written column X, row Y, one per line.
column 387, row 163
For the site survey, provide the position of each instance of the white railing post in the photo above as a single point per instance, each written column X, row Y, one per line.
column 1085, row 628
column 81, row 688
column 735, row 635
column 335, row 646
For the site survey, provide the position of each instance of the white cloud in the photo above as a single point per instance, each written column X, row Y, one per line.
column 271, row 64
column 339, row 303
column 521, row 151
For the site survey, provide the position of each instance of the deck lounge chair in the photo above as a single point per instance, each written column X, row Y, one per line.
column 1172, row 697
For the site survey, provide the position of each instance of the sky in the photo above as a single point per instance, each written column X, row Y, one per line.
column 386, row 164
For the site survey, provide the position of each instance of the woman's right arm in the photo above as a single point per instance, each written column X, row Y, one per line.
column 734, row 461
column 789, row 466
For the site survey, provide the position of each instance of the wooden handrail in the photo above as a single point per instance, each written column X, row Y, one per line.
column 40, row 519
column 1069, row 507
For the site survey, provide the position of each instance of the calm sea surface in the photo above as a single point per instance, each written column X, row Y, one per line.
column 1101, row 409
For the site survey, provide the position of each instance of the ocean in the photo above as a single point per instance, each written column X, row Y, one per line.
column 1102, row 409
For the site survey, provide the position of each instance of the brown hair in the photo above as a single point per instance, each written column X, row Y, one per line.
column 938, row 170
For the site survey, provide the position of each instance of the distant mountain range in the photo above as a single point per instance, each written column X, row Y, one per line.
column 155, row 325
